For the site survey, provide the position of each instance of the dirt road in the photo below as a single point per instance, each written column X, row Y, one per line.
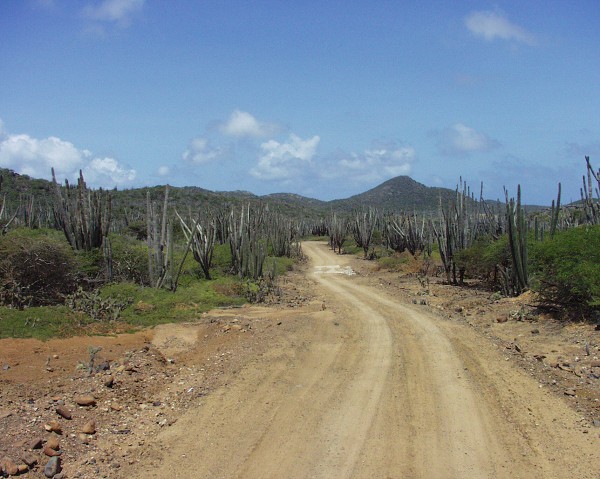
column 373, row 388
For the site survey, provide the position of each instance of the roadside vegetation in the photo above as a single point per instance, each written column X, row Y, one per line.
column 74, row 264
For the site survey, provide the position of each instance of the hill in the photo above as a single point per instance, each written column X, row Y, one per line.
column 399, row 193
column 396, row 194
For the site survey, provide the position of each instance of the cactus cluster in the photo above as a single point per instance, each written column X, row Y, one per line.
column 84, row 215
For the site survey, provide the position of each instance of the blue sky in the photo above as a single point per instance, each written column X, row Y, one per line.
column 320, row 98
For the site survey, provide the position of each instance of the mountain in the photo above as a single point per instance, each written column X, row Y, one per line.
column 396, row 194
column 399, row 193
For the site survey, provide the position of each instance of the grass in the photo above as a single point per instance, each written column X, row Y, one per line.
column 148, row 307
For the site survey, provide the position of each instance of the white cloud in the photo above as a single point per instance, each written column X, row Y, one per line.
column 460, row 140
column 114, row 11
column 107, row 171
column 280, row 161
column 492, row 25
column 375, row 164
column 163, row 171
column 36, row 157
column 242, row 123
column 200, row 151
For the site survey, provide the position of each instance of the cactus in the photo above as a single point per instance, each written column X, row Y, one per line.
column 591, row 207
column 159, row 247
column 363, row 226
column 517, row 240
column 337, row 227
column 201, row 240
column 84, row 217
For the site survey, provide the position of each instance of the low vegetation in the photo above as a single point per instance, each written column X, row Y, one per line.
column 77, row 264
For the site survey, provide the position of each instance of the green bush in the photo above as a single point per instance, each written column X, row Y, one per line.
column 565, row 270
column 129, row 259
column 482, row 259
column 37, row 267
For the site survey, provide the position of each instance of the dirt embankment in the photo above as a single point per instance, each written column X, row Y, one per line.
column 345, row 378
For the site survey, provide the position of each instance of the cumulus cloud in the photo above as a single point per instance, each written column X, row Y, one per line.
column 281, row 161
column 35, row 157
column 242, row 123
column 378, row 163
column 163, row 171
column 107, row 171
column 492, row 25
column 114, row 11
column 200, row 151
column 461, row 140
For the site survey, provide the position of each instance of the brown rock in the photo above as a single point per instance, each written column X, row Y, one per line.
column 48, row 451
column 64, row 412
column 85, row 400
column 89, row 427
column 53, row 426
column 53, row 443
column 9, row 467
column 109, row 381
column 83, row 438
column 36, row 444
column 29, row 459
column 22, row 468
column 595, row 364
column 501, row 319
column 116, row 407
column 570, row 392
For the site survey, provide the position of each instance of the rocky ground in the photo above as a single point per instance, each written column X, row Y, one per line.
column 84, row 407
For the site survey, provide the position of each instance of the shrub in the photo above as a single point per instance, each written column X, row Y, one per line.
column 129, row 259
column 37, row 267
column 566, row 269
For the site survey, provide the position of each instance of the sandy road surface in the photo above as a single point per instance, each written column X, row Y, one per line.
column 372, row 388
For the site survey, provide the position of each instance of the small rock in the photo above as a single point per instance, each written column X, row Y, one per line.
column 570, row 392
column 53, row 467
column 85, row 400
column 53, row 426
column 595, row 364
column 53, row 443
column 64, row 412
column 535, row 331
column 458, row 309
column 518, row 348
column 89, row 427
column 5, row 367
column 21, row 468
column 9, row 467
column 36, row 444
column 596, row 422
column 29, row 459
column 48, row 451
column 109, row 382
column 83, row 438
column 501, row 319
column 116, row 407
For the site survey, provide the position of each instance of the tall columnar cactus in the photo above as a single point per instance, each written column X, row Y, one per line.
column 338, row 228
column 407, row 232
column 201, row 237
column 248, row 242
column 159, row 239
column 83, row 215
column 517, row 240
column 363, row 225
column 591, row 206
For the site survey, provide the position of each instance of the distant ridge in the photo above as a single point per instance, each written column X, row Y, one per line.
column 401, row 193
